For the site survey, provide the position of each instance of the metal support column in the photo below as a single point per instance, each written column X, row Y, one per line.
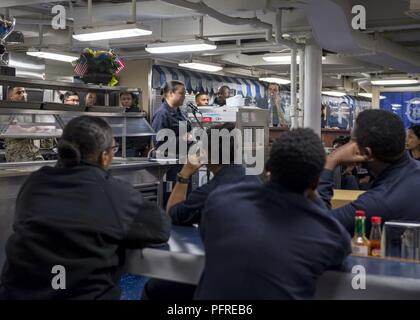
column 313, row 85
column 301, row 87
column 294, row 113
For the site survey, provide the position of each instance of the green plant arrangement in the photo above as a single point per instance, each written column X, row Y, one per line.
column 99, row 67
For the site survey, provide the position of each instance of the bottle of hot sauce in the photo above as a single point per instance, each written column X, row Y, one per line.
column 360, row 244
column 375, row 237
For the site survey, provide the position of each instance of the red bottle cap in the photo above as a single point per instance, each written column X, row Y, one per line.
column 376, row 219
column 360, row 213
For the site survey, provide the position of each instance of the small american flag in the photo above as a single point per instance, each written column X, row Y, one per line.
column 121, row 65
column 81, row 66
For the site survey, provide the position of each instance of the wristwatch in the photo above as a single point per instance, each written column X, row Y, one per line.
column 181, row 179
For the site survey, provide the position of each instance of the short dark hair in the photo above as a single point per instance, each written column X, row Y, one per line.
column 83, row 139
column 296, row 160
column 274, row 84
column 10, row 90
column 200, row 94
column 381, row 131
column 171, row 86
column 229, row 126
column 223, row 88
column 342, row 140
column 64, row 96
column 416, row 130
column 123, row 93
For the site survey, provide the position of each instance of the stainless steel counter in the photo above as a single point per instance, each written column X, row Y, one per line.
column 144, row 175
column 182, row 260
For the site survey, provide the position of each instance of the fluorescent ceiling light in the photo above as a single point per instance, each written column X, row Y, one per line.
column 369, row 95
column 390, row 82
column 52, row 55
column 203, row 66
column 334, row 93
column 275, row 80
column 281, row 58
column 117, row 31
column 182, row 46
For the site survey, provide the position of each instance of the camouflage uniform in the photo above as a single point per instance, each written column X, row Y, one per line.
column 21, row 149
column 48, row 144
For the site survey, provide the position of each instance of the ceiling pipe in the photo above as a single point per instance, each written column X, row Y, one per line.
column 35, row 21
column 201, row 7
column 279, row 33
column 90, row 16
column 343, row 39
column 396, row 28
column 133, row 11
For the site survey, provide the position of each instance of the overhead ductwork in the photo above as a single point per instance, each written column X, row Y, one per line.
column 331, row 27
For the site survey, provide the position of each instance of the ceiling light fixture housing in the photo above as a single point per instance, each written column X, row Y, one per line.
column 394, row 82
column 52, row 55
column 116, row 31
column 181, row 46
column 280, row 58
column 201, row 65
column 369, row 95
column 275, row 80
column 334, row 93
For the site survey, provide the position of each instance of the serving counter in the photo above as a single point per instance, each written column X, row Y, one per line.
column 145, row 175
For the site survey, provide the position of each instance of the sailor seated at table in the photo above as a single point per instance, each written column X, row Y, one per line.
column 76, row 220
column 186, row 210
column 272, row 241
column 379, row 143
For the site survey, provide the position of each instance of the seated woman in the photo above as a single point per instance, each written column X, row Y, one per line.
column 74, row 221
column 413, row 141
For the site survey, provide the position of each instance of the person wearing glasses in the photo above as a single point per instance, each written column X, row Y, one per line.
column 20, row 149
column 77, row 216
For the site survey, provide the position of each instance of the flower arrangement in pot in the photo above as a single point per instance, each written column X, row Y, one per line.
column 99, row 67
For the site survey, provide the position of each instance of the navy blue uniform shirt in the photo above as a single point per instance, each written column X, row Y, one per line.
column 393, row 195
column 263, row 242
column 168, row 118
column 81, row 218
column 189, row 211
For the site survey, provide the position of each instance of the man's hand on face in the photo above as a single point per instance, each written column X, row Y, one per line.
column 349, row 153
column 194, row 163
